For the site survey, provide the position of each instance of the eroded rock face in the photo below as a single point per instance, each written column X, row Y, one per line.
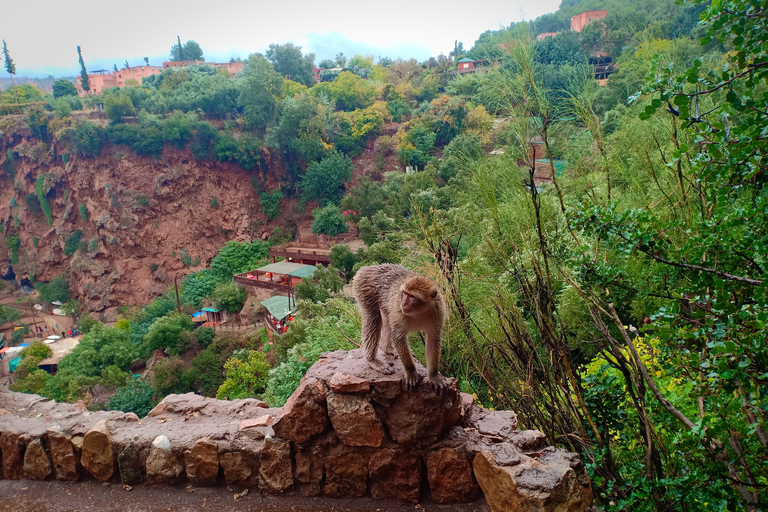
column 163, row 467
column 37, row 465
column 304, row 414
column 97, row 455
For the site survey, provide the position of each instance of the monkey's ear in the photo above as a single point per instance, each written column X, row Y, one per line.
column 433, row 294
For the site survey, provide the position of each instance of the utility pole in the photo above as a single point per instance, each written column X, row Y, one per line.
column 178, row 302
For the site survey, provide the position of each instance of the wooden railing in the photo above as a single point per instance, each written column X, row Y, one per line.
column 289, row 252
column 240, row 279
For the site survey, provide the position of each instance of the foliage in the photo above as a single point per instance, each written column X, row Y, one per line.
column 83, row 211
column 62, row 88
column 57, row 290
column 260, row 88
column 36, row 350
column 270, row 203
column 37, row 120
column 247, row 372
column 70, row 246
column 323, row 284
column 289, row 62
column 328, row 221
column 246, row 151
column 229, row 296
column 205, row 336
column 10, row 67
column 347, row 91
column 84, row 82
column 89, row 138
column 99, row 348
column 166, row 333
column 135, row 397
column 343, row 259
column 170, row 375
column 188, row 51
column 117, row 106
column 324, row 180
column 87, row 322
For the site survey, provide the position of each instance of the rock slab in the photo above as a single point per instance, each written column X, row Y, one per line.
column 97, row 456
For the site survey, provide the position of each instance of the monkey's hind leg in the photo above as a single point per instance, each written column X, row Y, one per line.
column 386, row 339
column 371, row 332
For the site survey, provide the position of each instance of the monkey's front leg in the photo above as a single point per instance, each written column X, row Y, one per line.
column 400, row 340
column 437, row 381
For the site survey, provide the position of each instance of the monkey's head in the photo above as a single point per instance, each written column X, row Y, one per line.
column 417, row 295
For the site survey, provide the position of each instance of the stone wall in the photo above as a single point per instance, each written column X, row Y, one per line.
column 346, row 432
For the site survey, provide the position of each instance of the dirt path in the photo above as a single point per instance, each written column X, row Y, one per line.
column 92, row 496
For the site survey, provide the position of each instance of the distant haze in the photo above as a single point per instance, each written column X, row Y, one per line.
column 42, row 37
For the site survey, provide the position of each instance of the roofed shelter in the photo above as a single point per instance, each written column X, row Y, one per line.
column 279, row 312
column 281, row 277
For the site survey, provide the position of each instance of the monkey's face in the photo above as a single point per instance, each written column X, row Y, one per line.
column 410, row 304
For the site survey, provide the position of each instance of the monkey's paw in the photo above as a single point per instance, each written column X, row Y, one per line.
column 380, row 367
column 439, row 384
column 412, row 381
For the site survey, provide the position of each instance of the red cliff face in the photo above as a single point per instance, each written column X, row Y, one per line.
column 144, row 215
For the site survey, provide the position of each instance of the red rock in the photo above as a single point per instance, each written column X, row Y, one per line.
column 275, row 471
column 354, row 420
column 346, row 474
column 420, row 418
column 12, row 448
column 346, row 383
column 304, row 414
column 261, row 421
column 450, row 476
column 395, row 474
column 308, row 473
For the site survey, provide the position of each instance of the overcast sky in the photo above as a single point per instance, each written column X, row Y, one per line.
column 42, row 36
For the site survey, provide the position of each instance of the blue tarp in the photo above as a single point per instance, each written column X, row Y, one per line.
column 13, row 363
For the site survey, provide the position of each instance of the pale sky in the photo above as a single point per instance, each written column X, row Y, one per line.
column 42, row 36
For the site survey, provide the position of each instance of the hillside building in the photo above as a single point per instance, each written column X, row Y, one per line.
column 579, row 21
column 103, row 79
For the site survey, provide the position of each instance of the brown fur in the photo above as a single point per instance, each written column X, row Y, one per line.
column 394, row 302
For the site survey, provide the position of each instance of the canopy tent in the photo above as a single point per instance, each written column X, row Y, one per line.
column 289, row 268
column 279, row 306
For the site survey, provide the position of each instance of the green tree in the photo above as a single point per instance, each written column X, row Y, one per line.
column 260, row 88
column 322, row 285
column 328, row 221
column 247, row 372
column 99, row 348
column 324, row 180
column 166, row 333
column 290, row 63
column 348, row 91
column 118, row 105
column 9, row 314
column 229, row 296
column 135, row 397
column 10, row 67
column 343, row 259
column 341, row 60
column 189, row 51
column 326, row 64
column 57, row 290
column 84, row 83
column 270, row 203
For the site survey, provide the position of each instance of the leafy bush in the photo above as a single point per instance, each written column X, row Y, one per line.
column 113, row 377
column 328, row 221
column 73, row 240
column 165, row 333
column 39, row 190
column 169, row 377
column 57, row 290
column 83, row 211
column 205, row 336
column 36, row 350
column 324, row 180
column 33, row 203
column 13, row 242
column 118, row 105
column 229, row 296
column 89, row 138
column 177, row 129
column 270, row 203
column 135, row 397
column 247, row 372
column 35, row 242
column 203, row 141
column 101, row 347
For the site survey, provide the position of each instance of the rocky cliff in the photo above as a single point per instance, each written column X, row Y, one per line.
column 143, row 216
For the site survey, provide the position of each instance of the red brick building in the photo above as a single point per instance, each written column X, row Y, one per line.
column 579, row 21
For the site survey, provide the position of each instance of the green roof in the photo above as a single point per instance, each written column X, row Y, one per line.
column 289, row 268
column 559, row 165
column 211, row 310
column 278, row 306
column 465, row 59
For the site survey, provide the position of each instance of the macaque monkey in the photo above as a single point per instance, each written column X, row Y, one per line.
column 394, row 302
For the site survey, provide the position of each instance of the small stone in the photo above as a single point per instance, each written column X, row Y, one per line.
column 261, row 421
column 97, row 455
